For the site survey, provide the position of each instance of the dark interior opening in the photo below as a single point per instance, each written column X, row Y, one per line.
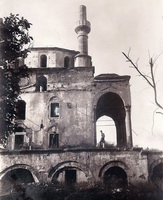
column 115, row 177
column 15, row 178
column 19, row 140
column 43, row 61
column 70, row 177
column 20, row 109
column 54, row 140
column 157, row 175
column 41, row 84
column 66, row 62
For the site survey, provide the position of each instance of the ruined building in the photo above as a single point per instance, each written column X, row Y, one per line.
column 56, row 139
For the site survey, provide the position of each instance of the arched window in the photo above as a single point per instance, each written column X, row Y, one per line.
column 41, row 84
column 43, row 61
column 66, row 62
column 54, row 110
column 21, row 107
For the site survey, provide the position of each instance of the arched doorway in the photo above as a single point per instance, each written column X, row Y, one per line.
column 69, row 176
column 107, row 125
column 111, row 105
column 115, row 177
column 13, row 179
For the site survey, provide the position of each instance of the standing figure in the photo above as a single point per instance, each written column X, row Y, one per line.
column 102, row 141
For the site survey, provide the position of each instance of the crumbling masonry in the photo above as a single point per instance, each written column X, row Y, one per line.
column 60, row 104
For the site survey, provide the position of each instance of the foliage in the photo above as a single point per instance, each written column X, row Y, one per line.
column 14, row 39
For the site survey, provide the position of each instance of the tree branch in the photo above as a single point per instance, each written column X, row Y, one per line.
column 135, row 66
column 154, row 84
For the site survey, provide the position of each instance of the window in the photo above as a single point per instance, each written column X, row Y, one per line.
column 43, row 61
column 19, row 140
column 54, row 140
column 41, row 84
column 20, row 109
column 54, row 110
column 66, row 62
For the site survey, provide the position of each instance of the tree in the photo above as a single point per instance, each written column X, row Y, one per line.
column 150, row 78
column 14, row 43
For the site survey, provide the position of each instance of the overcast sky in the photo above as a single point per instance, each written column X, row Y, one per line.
column 116, row 26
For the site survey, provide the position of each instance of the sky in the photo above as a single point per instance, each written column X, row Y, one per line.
column 116, row 27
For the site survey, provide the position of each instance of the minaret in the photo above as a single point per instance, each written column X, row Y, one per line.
column 83, row 28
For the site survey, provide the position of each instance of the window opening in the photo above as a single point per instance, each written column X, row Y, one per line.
column 21, row 106
column 111, row 105
column 43, row 61
column 19, row 140
column 54, row 140
column 41, row 84
column 66, row 62
column 70, row 177
column 54, row 111
column 107, row 126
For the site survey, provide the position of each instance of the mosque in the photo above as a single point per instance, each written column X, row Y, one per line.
column 56, row 136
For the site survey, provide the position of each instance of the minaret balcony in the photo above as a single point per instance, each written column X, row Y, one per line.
column 83, row 25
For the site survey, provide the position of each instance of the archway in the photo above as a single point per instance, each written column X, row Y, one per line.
column 69, row 176
column 111, row 105
column 13, row 179
column 115, row 177
column 68, row 172
column 107, row 125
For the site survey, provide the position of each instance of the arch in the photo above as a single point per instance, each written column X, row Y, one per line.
column 112, row 164
column 34, row 172
column 43, row 61
column 115, row 177
column 41, row 83
column 156, row 173
column 111, row 104
column 15, row 176
column 55, row 170
column 66, row 62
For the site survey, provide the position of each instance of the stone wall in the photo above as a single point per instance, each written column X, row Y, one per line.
column 92, row 162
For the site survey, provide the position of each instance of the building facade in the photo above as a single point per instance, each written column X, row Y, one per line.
column 56, row 140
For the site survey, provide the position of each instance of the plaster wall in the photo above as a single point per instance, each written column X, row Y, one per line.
column 55, row 57
column 92, row 163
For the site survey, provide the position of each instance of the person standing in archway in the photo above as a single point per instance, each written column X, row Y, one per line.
column 102, row 140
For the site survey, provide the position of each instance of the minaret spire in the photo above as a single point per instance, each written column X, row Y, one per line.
column 83, row 28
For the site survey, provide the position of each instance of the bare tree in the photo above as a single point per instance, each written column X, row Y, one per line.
column 150, row 78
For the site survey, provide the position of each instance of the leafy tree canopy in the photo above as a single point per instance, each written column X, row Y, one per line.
column 14, row 43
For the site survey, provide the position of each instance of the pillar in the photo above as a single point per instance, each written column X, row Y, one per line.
column 128, row 126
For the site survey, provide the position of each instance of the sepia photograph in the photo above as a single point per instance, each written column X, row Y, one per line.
column 81, row 102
